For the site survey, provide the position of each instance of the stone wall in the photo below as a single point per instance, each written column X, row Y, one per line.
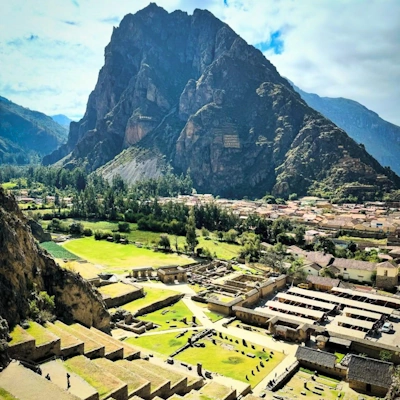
column 362, row 387
column 340, row 372
column 159, row 304
column 112, row 302
column 386, row 282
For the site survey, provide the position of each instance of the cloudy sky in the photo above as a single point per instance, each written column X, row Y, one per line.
column 51, row 50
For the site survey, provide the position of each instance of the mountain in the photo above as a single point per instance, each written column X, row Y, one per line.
column 380, row 138
column 26, row 268
column 26, row 135
column 190, row 91
column 62, row 120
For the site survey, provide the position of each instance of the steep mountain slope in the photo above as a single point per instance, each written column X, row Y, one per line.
column 24, row 267
column 380, row 138
column 26, row 135
column 62, row 120
column 188, row 87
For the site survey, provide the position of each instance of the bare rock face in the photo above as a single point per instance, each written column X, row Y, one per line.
column 188, row 87
column 25, row 267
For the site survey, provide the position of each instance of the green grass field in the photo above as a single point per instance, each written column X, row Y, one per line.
column 213, row 316
column 152, row 295
column 164, row 344
column 58, row 251
column 121, row 256
column 225, row 357
column 168, row 316
column 116, row 289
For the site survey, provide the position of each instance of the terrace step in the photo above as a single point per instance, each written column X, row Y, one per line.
column 70, row 345
column 159, row 386
column 137, row 386
column 22, row 343
column 106, row 384
column 78, row 386
column 112, row 350
column 179, row 382
column 129, row 352
column 213, row 390
column 92, row 349
column 25, row 384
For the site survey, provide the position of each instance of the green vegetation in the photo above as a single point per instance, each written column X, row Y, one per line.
column 213, row 316
column 4, row 395
column 152, row 295
column 231, row 359
column 355, row 239
column 117, row 255
column 41, row 334
column 85, row 269
column 164, row 344
column 9, row 185
column 104, row 383
column 168, row 316
column 339, row 356
column 58, row 251
column 19, row 335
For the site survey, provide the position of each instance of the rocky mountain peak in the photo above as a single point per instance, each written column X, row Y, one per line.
column 188, row 89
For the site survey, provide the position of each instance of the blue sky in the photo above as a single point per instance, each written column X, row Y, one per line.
column 51, row 50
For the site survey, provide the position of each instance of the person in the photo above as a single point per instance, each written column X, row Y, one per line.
column 48, row 377
column 68, row 380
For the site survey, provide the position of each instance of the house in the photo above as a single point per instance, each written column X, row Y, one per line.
column 317, row 360
column 355, row 270
column 312, row 269
column 387, row 275
column 322, row 283
column 369, row 375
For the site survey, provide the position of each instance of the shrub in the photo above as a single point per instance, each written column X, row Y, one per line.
column 88, row 232
column 123, row 227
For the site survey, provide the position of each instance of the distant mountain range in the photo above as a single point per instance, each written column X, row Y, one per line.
column 26, row 135
column 380, row 138
column 62, row 120
column 203, row 101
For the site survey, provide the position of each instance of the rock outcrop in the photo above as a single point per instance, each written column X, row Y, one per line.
column 26, row 135
column 189, row 88
column 25, row 267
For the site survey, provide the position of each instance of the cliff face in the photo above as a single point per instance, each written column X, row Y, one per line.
column 24, row 267
column 26, row 135
column 189, row 88
column 380, row 138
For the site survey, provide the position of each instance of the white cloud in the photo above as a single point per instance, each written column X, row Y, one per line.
column 346, row 48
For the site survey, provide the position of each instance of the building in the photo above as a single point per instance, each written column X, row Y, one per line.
column 387, row 275
column 355, row 270
column 172, row 274
column 322, row 283
column 369, row 376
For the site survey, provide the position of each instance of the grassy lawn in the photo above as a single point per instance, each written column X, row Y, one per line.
column 152, row 295
column 104, row 383
column 19, row 335
column 116, row 289
column 164, row 344
column 4, row 395
column 41, row 334
column 339, row 356
column 296, row 385
column 121, row 256
column 87, row 270
column 173, row 314
column 197, row 288
column 223, row 250
column 58, row 251
column 213, row 316
column 230, row 359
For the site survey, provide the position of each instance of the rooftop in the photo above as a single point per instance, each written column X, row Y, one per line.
column 316, row 356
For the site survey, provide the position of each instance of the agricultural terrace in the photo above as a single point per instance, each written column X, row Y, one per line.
column 170, row 317
column 85, row 269
column 322, row 387
column 58, row 251
column 116, row 289
column 151, row 296
column 4, row 395
column 119, row 257
column 226, row 355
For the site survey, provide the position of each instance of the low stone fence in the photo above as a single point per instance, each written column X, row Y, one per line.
column 159, row 304
column 284, row 378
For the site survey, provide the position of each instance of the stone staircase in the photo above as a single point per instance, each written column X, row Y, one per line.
column 95, row 366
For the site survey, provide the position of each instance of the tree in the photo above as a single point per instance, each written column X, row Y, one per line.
column 296, row 270
column 191, row 238
column 164, row 242
column 273, row 258
column 385, row 355
column 326, row 245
